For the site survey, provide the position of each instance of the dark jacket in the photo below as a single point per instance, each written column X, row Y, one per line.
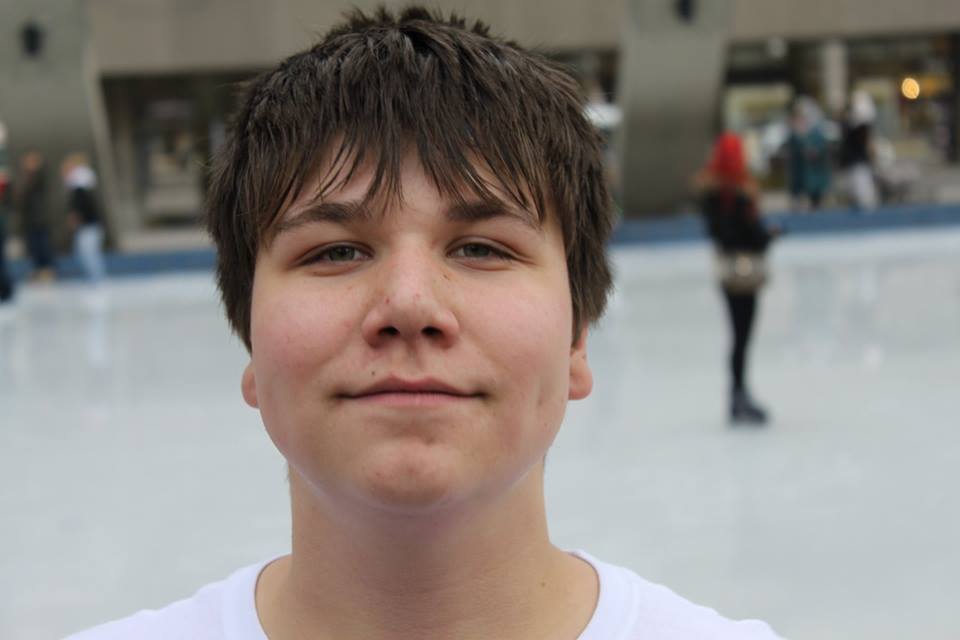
column 855, row 145
column 732, row 221
column 83, row 204
column 30, row 199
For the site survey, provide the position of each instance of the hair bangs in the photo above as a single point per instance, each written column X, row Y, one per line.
column 472, row 142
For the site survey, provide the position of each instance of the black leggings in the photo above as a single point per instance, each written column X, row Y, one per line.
column 742, row 308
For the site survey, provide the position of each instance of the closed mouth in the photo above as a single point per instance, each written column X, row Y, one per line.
column 410, row 392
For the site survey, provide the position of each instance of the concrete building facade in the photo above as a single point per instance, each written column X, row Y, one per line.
column 145, row 85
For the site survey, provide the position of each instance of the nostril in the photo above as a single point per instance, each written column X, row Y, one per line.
column 390, row 331
column 431, row 331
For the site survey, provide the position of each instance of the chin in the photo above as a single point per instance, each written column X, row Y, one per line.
column 413, row 478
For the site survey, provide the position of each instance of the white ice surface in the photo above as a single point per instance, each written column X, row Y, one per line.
column 131, row 472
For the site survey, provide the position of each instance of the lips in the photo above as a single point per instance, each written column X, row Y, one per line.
column 400, row 392
column 398, row 386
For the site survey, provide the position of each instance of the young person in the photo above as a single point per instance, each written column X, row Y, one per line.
column 30, row 200
column 411, row 223
column 80, row 181
column 729, row 203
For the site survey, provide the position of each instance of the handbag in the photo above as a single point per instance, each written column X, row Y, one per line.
column 742, row 271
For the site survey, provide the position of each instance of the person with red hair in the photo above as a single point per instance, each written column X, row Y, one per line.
column 729, row 203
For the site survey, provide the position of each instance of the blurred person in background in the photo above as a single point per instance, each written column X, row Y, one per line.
column 728, row 198
column 84, row 215
column 856, row 154
column 808, row 154
column 30, row 200
column 6, row 283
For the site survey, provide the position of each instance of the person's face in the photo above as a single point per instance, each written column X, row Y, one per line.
column 31, row 161
column 797, row 121
column 66, row 167
column 415, row 360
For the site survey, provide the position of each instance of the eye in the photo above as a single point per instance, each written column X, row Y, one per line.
column 480, row 251
column 337, row 253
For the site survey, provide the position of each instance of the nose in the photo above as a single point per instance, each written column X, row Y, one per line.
column 411, row 303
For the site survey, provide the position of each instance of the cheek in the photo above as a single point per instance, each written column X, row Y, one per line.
column 295, row 331
column 531, row 339
column 293, row 337
column 284, row 341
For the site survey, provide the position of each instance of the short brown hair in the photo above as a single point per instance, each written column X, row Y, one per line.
column 381, row 84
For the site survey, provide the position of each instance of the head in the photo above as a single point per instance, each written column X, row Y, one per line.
column 806, row 114
column 73, row 160
column 411, row 223
column 464, row 103
column 31, row 161
column 863, row 110
column 727, row 162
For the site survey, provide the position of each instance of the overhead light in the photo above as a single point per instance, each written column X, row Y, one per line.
column 910, row 88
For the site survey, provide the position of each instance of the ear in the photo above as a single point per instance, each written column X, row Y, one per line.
column 581, row 378
column 248, row 386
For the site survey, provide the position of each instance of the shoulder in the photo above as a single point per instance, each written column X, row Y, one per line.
column 184, row 619
column 652, row 611
column 667, row 615
column 222, row 610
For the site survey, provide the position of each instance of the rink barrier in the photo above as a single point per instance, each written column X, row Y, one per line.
column 130, row 264
column 649, row 231
column 689, row 227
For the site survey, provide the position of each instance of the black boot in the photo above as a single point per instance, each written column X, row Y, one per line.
column 743, row 411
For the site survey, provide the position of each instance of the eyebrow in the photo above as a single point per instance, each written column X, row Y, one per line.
column 344, row 212
column 479, row 210
column 335, row 212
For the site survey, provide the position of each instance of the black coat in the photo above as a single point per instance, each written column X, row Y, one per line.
column 84, row 205
column 30, row 199
column 732, row 221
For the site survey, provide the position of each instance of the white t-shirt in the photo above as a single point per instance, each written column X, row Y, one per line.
column 629, row 608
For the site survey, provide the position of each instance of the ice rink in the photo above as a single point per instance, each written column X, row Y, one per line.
column 132, row 472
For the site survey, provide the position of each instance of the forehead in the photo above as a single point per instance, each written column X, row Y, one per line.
column 332, row 194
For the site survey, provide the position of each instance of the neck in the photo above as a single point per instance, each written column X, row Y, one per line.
column 479, row 572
